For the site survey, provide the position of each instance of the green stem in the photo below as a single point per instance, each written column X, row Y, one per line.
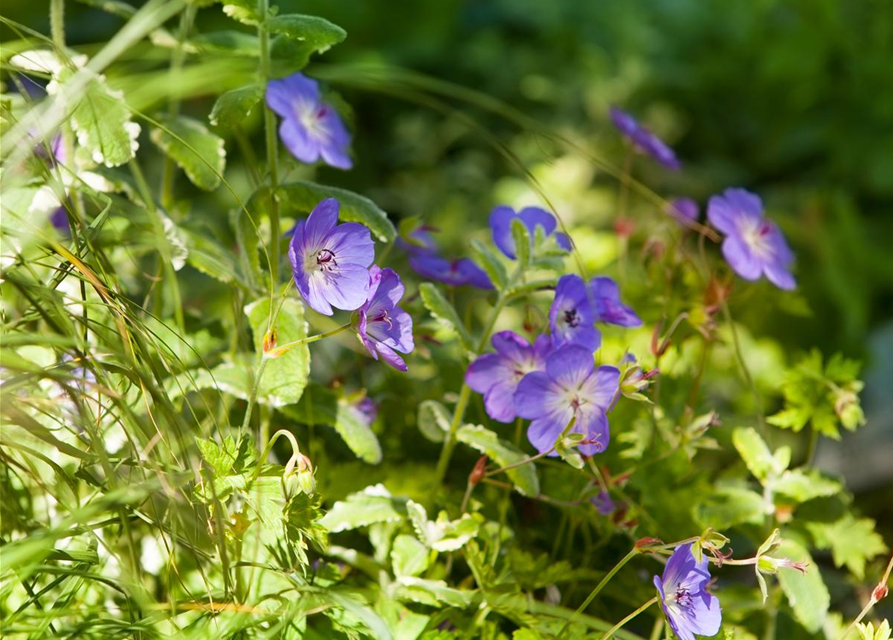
column 745, row 372
column 449, row 442
column 164, row 247
column 252, row 397
column 177, row 57
column 57, row 24
column 280, row 350
column 271, row 143
column 601, row 585
column 628, row 618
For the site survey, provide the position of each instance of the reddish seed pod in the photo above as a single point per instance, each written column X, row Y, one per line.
column 478, row 472
column 647, row 542
column 880, row 592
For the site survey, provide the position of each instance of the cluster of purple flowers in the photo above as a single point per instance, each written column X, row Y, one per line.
column 331, row 267
column 555, row 380
column 753, row 245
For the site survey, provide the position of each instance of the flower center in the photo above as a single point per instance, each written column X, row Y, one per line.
column 572, row 318
column 312, row 117
column 756, row 235
column 384, row 317
column 325, row 260
column 682, row 597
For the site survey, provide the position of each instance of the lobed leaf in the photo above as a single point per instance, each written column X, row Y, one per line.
column 302, row 196
column 196, row 150
column 503, row 453
column 443, row 311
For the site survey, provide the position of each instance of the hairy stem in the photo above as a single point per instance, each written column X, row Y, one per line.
column 601, row 585
column 628, row 618
column 271, row 144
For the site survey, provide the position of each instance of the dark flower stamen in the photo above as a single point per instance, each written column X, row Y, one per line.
column 326, row 259
column 572, row 318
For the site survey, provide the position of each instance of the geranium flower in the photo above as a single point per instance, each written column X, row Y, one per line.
column 571, row 316
column 643, row 139
column 608, row 308
column 383, row 327
column 330, row 261
column 571, row 386
column 684, row 209
column 424, row 260
column 603, row 503
column 689, row 608
column 501, row 225
column 496, row 375
column 455, row 273
column 753, row 246
column 311, row 129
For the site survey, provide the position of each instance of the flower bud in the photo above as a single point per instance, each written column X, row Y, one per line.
column 478, row 472
column 298, row 476
column 270, row 338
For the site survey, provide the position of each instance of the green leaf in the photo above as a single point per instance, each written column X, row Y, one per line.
column 302, row 197
column 227, row 43
column 245, row 11
column 209, row 257
column 503, row 453
column 442, row 534
column 234, row 106
column 443, row 311
column 803, row 486
column 491, row 264
column 102, row 123
column 806, row 592
column 728, row 506
column 432, row 593
column 533, row 286
column 222, row 459
column 284, row 377
column 321, row 406
column 409, row 557
column 370, row 506
column 756, row 454
column 521, row 236
column 317, row 33
column 196, row 150
column 852, row 541
column 434, row 420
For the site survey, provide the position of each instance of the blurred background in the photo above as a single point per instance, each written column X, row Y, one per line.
column 790, row 98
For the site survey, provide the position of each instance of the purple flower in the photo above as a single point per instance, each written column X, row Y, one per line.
column 603, row 503
column 383, row 327
column 330, row 260
column 754, row 246
column 643, row 139
column 572, row 386
column 455, row 273
column 310, row 128
column 689, row 608
column 496, row 375
column 684, row 209
column 425, row 261
column 501, row 225
column 571, row 316
column 608, row 308
column 368, row 410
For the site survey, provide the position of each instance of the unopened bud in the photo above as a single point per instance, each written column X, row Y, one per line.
column 270, row 338
column 645, row 543
column 298, row 476
column 880, row 592
column 624, row 227
column 478, row 472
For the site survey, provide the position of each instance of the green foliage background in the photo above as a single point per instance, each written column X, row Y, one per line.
column 793, row 99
